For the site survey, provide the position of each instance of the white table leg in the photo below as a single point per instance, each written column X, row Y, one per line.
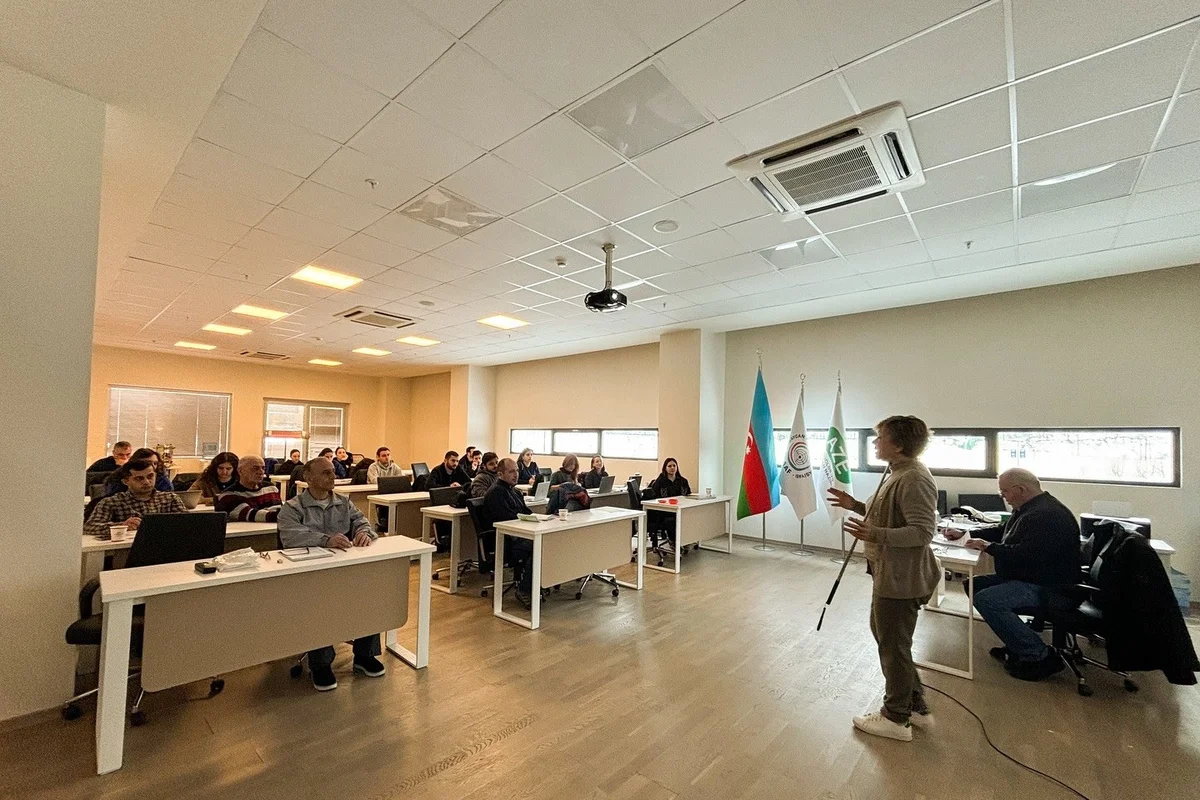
column 114, row 680
column 969, row 672
column 535, row 596
column 678, row 537
column 392, row 509
column 455, row 545
column 641, row 555
column 419, row 659
column 970, row 622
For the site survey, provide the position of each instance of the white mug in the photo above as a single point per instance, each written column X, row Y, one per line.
column 562, row 513
column 117, row 532
column 708, row 492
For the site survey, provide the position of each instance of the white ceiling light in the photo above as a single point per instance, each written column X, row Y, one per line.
column 640, row 113
column 666, row 226
column 419, row 341
column 196, row 346
column 213, row 327
column 787, row 245
column 449, row 212
column 324, row 362
column 503, row 322
column 1074, row 176
column 262, row 313
column 372, row 351
column 326, row 277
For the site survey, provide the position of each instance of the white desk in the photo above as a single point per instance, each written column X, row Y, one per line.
column 962, row 559
column 563, row 550
column 455, row 517
column 697, row 520
column 197, row 626
column 94, row 550
column 406, row 504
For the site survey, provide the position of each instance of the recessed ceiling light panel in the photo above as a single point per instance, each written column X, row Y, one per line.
column 419, row 341
column 640, row 113
column 324, row 362
column 503, row 322
column 196, row 346
column 372, row 351
column 326, row 277
column 449, row 212
column 256, row 311
column 213, row 327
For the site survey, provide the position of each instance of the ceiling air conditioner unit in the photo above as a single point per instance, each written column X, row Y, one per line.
column 856, row 159
column 265, row 356
column 375, row 318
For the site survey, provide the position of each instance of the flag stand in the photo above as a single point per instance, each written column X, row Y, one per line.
column 764, row 547
column 802, row 551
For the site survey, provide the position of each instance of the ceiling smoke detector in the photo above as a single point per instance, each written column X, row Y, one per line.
column 607, row 299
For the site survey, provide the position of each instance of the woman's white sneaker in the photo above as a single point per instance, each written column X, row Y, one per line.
column 877, row 724
column 922, row 722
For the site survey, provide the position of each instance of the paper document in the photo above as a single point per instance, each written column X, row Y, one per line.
column 606, row 511
column 940, row 540
column 535, row 517
column 305, row 553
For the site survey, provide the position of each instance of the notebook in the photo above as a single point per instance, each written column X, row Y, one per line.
column 305, row 553
column 535, row 517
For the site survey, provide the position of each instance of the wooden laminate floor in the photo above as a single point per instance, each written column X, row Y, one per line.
column 710, row 684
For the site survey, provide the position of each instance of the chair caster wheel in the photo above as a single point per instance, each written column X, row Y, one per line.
column 137, row 719
column 296, row 671
column 483, row 592
column 660, row 562
column 216, row 686
column 435, row 576
column 72, row 712
column 616, row 592
column 1130, row 686
column 579, row 595
column 1085, row 690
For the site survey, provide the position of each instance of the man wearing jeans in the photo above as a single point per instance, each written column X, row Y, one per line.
column 317, row 517
column 1036, row 549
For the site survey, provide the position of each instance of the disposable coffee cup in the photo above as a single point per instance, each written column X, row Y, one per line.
column 708, row 492
column 118, row 532
column 562, row 513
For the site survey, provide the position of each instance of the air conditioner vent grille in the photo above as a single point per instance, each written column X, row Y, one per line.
column 833, row 176
column 375, row 318
column 264, row 356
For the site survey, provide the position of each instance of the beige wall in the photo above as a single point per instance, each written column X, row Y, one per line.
column 1117, row 351
column 606, row 389
column 49, row 219
column 392, row 411
column 429, row 420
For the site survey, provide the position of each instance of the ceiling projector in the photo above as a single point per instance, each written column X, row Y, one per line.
column 606, row 299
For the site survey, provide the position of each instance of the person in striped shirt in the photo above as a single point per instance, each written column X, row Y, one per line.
column 253, row 498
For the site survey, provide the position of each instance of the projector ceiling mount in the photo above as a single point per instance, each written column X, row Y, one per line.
column 607, row 299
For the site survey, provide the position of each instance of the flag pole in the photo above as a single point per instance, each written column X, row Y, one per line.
column 802, row 550
column 842, row 526
column 764, row 547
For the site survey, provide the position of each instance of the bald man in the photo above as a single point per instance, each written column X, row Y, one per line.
column 1035, row 550
column 253, row 498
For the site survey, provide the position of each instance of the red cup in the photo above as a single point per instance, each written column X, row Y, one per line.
column 673, row 501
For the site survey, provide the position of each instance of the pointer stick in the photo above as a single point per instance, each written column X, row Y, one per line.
column 837, row 582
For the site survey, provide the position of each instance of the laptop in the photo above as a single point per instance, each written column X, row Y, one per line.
column 393, row 485
column 606, row 484
column 167, row 538
column 542, row 491
column 443, row 497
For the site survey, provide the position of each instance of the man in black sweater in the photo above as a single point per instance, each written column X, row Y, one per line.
column 1036, row 550
column 448, row 473
column 121, row 451
column 503, row 503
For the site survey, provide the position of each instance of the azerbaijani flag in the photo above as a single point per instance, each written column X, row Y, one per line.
column 760, row 477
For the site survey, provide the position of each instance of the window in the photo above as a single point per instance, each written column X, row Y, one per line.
column 537, row 440
column 1119, row 455
column 307, row 427
column 632, row 444
column 816, row 446
column 948, row 452
column 195, row 423
column 586, row 442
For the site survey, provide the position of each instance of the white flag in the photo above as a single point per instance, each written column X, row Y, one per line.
column 797, row 475
column 835, row 472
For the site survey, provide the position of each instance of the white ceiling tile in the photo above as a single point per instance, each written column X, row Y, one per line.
column 518, row 273
column 245, row 128
column 406, row 140
column 970, row 177
column 875, row 236
column 510, row 238
column 626, row 244
column 380, row 293
column 974, row 240
column 706, row 247
column 728, row 202
column 559, row 218
column 1117, row 81
column 1115, row 181
column 838, row 286
column 682, row 280
column 820, row 272
column 563, row 310
column 620, row 193
column 436, row 269
column 650, row 264
column 811, row 251
column 208, row 226
column 945, row 64
column 820, row 103
column 278, row 76
column 408, row 281
column 962, row 129
column 1090, row 145
column 860, row 213
column 770, row 230
column 1048, row 34
column 350, row 265
column 743, row 266
column 1157, row 230
column 378, row 251
column 400, row 229
column 561, row 288
column 235, row 173
column 466, row 94
column 708, row 294
column 261, row 263
column 183, row 190
column 1171, row 167
column 549, row 46
column 900, row 276
column 383, row 44
column 1064, row 246
column 329, row 205
column 1165, row 202
column 863, row 26
column 692, row 162
column 349, row 171
column 572, row 260
column 271, row 244
column 558, row 152
column 524, row 297
column 1184, row 123
column 690, row 223
column 462, row 291
column 497, row 185
column 660, row 22
column 292, row 225
column 1073, row 220
column 639, row 293
column 456, row 16
column 978, row 212
column 182, row 242
column 774, row 47
column 471, row 255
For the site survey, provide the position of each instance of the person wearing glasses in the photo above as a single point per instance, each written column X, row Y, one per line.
column 318, row 517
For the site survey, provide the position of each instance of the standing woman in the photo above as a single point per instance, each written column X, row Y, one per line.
column 219, row 476
column 897, row 525
column 527, row 468
column 591, row 478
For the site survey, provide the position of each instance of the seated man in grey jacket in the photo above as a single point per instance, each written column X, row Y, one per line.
column 317, row 517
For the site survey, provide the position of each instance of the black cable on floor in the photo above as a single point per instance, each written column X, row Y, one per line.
column 988, row 737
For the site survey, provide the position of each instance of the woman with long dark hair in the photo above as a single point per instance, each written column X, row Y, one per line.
column 567, row 473
column 218, row 476
column 669, row 482
column 343, row 463
column 592, row 478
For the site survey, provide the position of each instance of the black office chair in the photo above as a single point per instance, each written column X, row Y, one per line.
column 160, row 539
column 359, row 478
column 485, row 537
column 419, row 469
column 656, row 538
column 184, row 480
column 982, row 502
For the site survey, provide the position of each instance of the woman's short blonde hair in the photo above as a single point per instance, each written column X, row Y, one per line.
column 910, row 434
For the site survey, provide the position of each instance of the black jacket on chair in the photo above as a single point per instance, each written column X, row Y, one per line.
column 1143, row 626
